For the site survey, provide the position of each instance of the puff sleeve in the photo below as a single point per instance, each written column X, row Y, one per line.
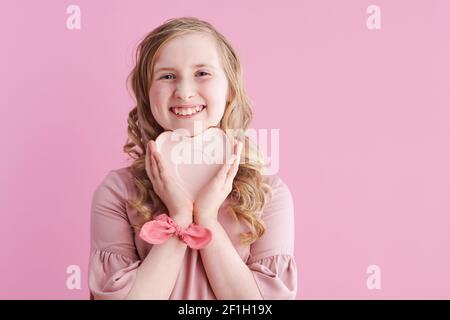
column 113, row 259
column 271, row 257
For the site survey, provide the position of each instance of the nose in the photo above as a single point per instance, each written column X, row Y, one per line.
column 184, row 90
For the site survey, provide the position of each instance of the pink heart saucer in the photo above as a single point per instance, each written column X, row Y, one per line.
column 194, row 160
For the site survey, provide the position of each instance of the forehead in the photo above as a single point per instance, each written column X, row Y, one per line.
column 188, row 50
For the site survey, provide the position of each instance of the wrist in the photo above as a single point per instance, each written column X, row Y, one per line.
column 183, row 220
column 205, row 221
column 184, row 213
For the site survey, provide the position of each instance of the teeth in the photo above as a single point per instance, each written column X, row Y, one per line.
column 187, row 111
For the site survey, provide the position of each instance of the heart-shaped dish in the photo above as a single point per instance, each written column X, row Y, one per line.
column 194, row 160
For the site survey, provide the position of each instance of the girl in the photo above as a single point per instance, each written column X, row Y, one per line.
column 186, row 67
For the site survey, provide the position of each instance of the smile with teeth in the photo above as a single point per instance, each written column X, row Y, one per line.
column 187, row 111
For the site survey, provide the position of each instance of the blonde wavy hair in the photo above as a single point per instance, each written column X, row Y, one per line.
column 249, row 193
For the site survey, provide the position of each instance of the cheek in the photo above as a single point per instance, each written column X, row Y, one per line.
column 158, row 97
column 157, row 94
column 216, row 91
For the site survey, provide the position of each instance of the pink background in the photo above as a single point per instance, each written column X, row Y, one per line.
column 363, row 118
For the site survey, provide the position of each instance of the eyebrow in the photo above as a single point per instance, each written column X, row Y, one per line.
column 200, row 65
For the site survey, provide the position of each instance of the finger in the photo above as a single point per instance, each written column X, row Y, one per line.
column 151, row 172
column 154, row 169
column 152, row 145
column 159, row 162
column 148, row 160
column 222, row 174
column 235, row 166
column 157, row 157
column 232, row 161
column 239, row 150
column 233, row 170
column 229, row 148
column 237, row 147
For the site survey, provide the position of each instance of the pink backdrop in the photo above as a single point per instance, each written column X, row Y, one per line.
column 363, row 118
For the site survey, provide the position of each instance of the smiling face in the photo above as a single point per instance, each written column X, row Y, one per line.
column 189, row 85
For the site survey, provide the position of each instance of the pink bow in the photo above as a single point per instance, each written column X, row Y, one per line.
column 163, row 227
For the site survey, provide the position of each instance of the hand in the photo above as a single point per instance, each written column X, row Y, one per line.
column 166, row 187
column 213, row 194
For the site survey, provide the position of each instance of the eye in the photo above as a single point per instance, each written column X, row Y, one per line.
column 203, row 72
column 167, row 75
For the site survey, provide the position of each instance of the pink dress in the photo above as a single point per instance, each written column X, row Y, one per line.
column 117, row 250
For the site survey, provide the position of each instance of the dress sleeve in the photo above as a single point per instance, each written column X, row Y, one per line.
column 271, row 257
column 113, row 260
